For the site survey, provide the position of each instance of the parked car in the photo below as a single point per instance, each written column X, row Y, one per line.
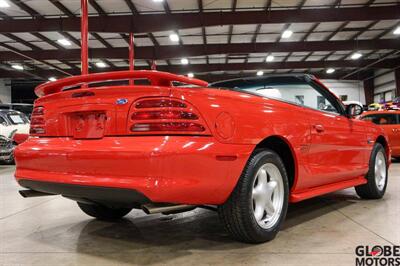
column 12, row 123
column 249, row 146
column 390, row 122
column 358, row 104
column 7, row 147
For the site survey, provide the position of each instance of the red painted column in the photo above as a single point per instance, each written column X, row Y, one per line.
column 369, row 88
column 131, row 55
column 84, row 37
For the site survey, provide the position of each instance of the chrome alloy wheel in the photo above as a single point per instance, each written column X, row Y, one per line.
column 380, row 171
column 268, row 195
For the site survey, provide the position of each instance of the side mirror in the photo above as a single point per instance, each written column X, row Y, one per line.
column 353, row 110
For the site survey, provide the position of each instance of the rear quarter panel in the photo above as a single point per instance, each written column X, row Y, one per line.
column 253, row 119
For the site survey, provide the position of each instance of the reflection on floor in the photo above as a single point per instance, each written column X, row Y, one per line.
column 321, row 231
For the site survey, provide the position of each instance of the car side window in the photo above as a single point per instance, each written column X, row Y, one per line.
column 381, row 119
column 300, row 94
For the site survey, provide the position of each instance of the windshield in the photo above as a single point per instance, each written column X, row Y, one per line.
column 299, row 90
column 17, row 118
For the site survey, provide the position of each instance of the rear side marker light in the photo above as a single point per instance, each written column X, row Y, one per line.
column 159, row 103
column 167, row 114
column 173, row 126
column 38, row 110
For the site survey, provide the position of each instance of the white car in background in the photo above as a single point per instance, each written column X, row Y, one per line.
column 11, row 123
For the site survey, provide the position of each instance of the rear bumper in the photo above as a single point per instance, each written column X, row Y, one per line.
column 173, row 169
column 112, row 196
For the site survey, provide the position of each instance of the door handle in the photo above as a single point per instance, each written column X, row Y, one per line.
column 319, row 128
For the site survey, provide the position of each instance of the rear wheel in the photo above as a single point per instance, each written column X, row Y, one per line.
column 257, row 207
column 377, row 176
column 102, row 212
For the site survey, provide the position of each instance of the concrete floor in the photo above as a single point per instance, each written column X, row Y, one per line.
column 321, row 231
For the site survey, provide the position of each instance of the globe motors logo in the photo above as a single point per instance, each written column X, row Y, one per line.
column 377, row 255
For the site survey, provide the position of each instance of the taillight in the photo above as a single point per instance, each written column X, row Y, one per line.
column 38, row 111
column 158, row 115
column 167, row 114
column 37, row 121
column 171, row 126
column 159, row 103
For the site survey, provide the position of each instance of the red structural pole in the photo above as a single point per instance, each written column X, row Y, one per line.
column 84, row 37
column 131, row 56
column 131, row 52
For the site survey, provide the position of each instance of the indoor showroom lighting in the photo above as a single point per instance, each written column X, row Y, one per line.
column 64, row 42
column 184, row 61
column 52, row 79
column 174, row 37
column 260, row 73
column 158, row 0
column 4, row 3
column 356, row 56
column 286, row 34
column 269, row 58
column 397, row 31
column 190, row 75
column 101, row 64
column 17, row 67
column 330, row 70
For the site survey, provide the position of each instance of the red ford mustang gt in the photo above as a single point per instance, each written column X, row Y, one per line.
column 249, row 146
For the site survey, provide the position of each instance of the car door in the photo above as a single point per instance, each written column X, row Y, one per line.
column 338, row 148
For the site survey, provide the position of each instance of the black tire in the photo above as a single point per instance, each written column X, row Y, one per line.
column 102, row 212
column 237, row 213
column 370, row 190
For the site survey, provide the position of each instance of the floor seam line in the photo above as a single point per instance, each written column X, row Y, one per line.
column 359, row 224
column 31, row 207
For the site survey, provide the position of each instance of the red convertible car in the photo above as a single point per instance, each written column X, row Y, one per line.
column 248, row 146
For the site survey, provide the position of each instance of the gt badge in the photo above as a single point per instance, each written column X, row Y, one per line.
column 122, row 101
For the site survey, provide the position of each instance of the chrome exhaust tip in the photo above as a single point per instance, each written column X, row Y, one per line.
column 152, row 208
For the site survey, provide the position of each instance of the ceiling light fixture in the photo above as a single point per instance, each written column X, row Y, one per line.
column 397, row 31
column 64, row 42
column 260, row 73
column 287, row 34
column 174, row 37
column 17, row 67
column 356, row 56
column 158, row 0
column 101, row 64
column 184, row 61
column 4, row 4
column 190, row 75
column 330, row 70
column 270, row 58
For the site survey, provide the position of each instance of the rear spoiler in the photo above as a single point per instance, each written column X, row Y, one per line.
column 156, row 78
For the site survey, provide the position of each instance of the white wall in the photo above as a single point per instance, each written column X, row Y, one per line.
column 352, row 88
column 385, row 85
column 5, row 91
